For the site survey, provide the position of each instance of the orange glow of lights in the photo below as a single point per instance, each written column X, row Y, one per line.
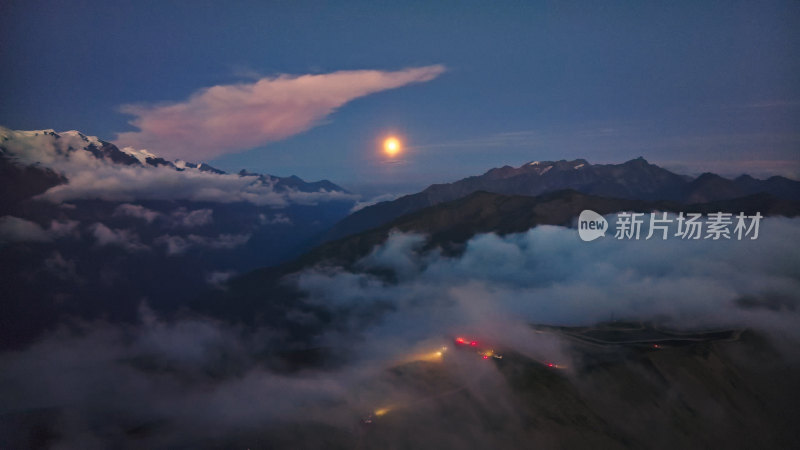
column 392, row 146
column 434, row 356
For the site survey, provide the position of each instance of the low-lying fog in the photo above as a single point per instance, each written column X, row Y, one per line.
column 196, row 381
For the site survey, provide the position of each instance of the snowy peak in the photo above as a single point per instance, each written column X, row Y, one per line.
column 96, row 169
column 141, row 155
column 537, row 168
column 51, row 149
column 561, row 164
column 48, row 147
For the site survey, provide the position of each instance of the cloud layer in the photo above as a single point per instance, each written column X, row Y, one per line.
column 228, row 118
column 547, row 275
column 193, row 380
column 15, row 229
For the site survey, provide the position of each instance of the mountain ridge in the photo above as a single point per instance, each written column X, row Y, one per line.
column 633, row 179
column 16, row 151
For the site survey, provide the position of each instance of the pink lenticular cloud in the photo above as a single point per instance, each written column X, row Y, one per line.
column 229, row 118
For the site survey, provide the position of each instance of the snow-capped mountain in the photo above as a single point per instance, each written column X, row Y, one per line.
column 92, row 230
column 95, row 169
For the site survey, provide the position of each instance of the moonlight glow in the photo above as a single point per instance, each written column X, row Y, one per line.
column 391, row 146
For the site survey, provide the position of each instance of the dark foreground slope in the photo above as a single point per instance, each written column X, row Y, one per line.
column 717, row 393
column 705, row 390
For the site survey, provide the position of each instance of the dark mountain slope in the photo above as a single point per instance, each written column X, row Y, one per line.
column 19, row 182
column 635, row 179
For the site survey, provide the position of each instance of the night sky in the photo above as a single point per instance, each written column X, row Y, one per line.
column 693, row 86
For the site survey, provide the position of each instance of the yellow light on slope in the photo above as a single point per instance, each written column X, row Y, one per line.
column 434, row 356
column 391, row 146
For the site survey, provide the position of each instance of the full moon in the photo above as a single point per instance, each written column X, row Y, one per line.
column 391, row 146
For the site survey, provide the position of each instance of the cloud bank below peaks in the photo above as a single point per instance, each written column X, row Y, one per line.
column 548, row 276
